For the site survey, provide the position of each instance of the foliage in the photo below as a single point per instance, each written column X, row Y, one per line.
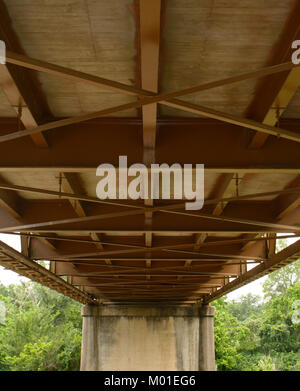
column 255, row 336
column 278, row 282
column 42, row 329
column 229, row 334
column 246, row 307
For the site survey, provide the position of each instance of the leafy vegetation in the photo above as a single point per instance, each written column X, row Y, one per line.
column 42, row 330
column 261, row 336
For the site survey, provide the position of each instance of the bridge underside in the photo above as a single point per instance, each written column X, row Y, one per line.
column 87, row 82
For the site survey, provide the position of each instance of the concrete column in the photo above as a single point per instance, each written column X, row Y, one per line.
column 206, row 336
column 116, row 338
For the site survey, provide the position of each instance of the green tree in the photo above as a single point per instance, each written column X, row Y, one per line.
column 229, row 334
column 247, row 306
column 279, row 281
column 260, row 336
column 42, row 329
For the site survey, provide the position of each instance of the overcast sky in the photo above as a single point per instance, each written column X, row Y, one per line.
column 8, row 277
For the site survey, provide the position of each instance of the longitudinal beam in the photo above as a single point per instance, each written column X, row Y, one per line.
column 13, row 260
column 149, row 54
column 282, row 258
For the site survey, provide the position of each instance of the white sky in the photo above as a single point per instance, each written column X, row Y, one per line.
column 8, row 277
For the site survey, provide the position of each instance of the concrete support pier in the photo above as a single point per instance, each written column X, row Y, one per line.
column 206, row 339
column 116, row 338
